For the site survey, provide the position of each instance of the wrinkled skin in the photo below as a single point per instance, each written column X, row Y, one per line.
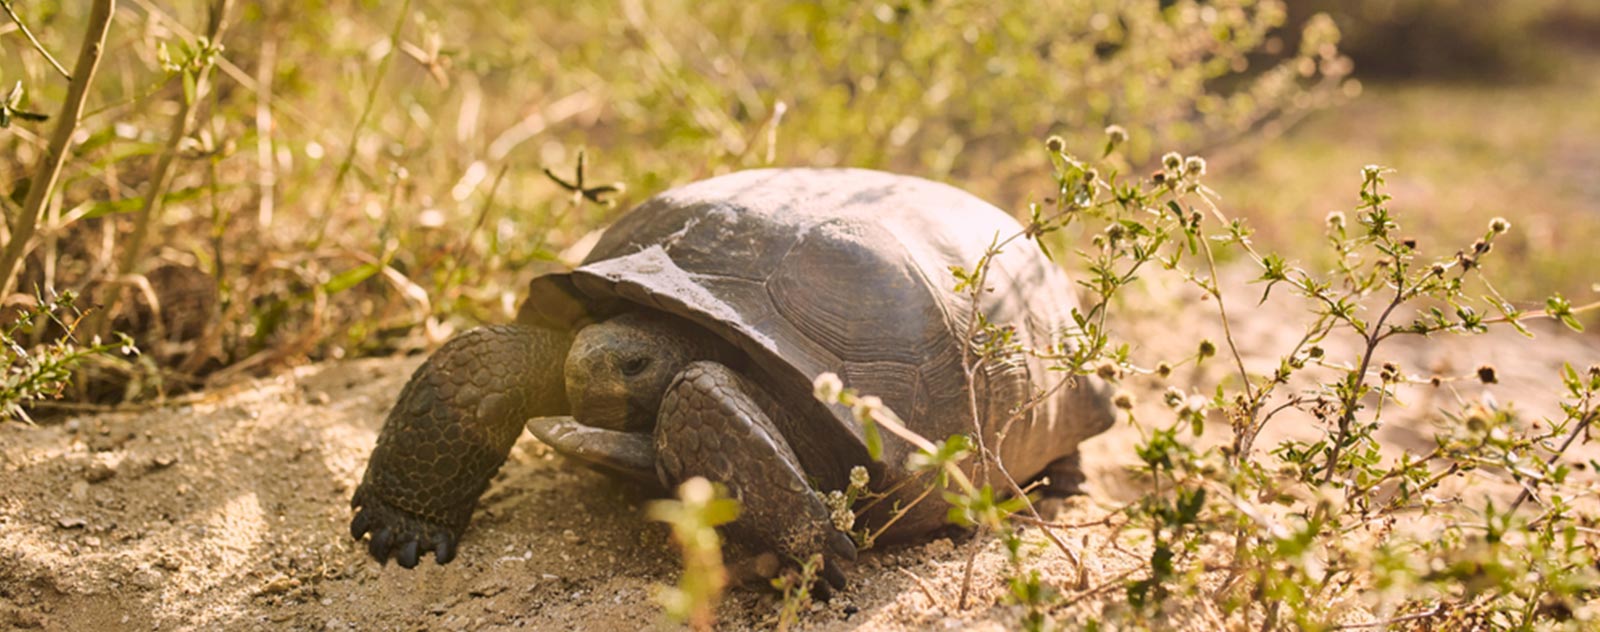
column 643, row 394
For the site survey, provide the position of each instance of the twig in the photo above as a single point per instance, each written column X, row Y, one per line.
column 483, row 216
column 161, row 179
column 1576, row 430
column 361, row 123
column 266, row 158
column 966, row 573
column 34, row 40
column 1114, row 582
column 927, row 591
column 44, row 182
column 1436, row 611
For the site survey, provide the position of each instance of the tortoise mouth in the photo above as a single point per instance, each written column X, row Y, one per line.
column 618, row 452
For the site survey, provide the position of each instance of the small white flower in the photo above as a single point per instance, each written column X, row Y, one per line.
column 828, row 387
column 866, row 407
column 858, row 477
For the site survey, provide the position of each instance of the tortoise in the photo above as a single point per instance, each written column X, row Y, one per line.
column 686, row 343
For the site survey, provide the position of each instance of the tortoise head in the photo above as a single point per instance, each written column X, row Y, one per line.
column 618, row 370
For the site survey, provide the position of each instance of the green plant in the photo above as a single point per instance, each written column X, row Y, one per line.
column 694, row 516
column 364, row 181
column 1277, row 532
column 38, row 372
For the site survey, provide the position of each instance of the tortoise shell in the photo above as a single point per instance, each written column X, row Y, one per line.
column 848, row 271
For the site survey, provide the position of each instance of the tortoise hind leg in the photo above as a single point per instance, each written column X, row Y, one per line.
column 712, row 424
column 1064, row 477
column 449, row 432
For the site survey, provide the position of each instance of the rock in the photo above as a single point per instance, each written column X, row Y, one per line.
column 99, row 471
column 72, row 522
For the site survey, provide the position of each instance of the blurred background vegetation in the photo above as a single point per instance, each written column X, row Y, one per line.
column 356, row 177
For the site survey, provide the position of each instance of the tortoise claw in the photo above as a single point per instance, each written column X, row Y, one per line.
column 407, row 557
column 380, row 543
column 360, row 525
column 833, row 577
column 444, row 548
column 400, row 534
column 841, row 546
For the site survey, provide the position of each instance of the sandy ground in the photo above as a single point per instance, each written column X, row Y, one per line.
column 229, row 510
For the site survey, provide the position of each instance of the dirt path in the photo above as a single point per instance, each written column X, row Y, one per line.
column 230, row 511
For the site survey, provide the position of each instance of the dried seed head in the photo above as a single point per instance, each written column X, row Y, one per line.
column 1173, row 398
column 1477, row 421
column 1390, row 372
column 1335, row 220
column 1499, row 225
column 1194, row 166
column 1055, row 144
column 1207, row 349
column 1437, row 269
column 1481, row 247
column 1172, row 161
column 1115, row 231
column 1435, row 381
column 1116, row 134
column 1314, row 352
column 1486, row 374
column 1123, row 400
column 1107, row 370
column 1410, row 243
column 1163, row 369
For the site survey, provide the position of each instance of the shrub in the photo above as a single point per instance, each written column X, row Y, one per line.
column 1283, row 534
column 357, row 175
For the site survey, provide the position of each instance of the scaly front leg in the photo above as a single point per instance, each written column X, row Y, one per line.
column 714, row 423
column 450, row 431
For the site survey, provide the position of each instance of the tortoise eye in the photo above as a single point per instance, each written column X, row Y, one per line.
column 635, row 366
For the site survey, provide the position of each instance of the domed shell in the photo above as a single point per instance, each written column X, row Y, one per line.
column 846, row 271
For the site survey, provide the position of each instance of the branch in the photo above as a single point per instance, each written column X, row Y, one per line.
column 44, row 182
column 161, row 179
column 35, row 41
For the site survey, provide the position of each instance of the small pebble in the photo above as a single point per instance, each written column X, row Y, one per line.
column 99, row 472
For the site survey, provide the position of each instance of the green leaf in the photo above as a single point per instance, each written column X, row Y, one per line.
column 721, row 511
column 874, row 440
column 128, row 205
column 349, row 278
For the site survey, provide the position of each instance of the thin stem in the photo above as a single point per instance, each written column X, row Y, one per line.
column 35, row 41
column 55, row 155
column 361, row 123
column 161, row 179
column 1576, row 430
column 1348, row 416
column 1385, row 623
